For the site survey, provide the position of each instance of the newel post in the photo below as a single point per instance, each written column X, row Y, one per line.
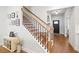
column 50, row 39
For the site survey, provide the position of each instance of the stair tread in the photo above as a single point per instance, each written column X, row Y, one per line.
column 30, row 27
column 27, row 23
column 32, row 30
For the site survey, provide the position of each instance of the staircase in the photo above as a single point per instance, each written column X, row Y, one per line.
column 38, row 28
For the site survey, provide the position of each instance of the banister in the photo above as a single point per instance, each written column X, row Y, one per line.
column 42, row 23
column 37, row 25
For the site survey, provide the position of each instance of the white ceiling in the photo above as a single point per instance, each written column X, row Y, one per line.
column 57, row 12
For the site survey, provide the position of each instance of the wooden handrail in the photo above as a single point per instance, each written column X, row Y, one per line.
column 42, row 23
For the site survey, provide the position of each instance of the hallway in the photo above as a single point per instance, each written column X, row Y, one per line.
column 61, row 45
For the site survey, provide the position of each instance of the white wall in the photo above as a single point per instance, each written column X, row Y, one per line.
column 17, row 10
column 3, row 22
column 77, row 27
column 40, row 11
column 61, row 20
column 76, row 17
column 72, row 38
column 67, row 17
column 73, row 29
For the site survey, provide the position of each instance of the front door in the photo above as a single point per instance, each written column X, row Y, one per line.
column 56, row 26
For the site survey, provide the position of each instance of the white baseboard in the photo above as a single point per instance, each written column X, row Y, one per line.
column 28, row 50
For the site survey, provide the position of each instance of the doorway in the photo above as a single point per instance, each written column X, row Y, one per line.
column 56, row 26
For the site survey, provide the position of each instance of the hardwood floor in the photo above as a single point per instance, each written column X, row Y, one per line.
column 4, row 50
column 61, row 45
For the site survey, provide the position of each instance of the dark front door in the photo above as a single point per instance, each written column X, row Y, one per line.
column 56, row 26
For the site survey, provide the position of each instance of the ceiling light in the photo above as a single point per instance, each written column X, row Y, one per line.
column 56, row 12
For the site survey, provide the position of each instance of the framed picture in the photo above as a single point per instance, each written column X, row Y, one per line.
column 14, row 20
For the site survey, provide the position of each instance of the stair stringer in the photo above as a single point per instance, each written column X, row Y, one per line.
column 30, row 44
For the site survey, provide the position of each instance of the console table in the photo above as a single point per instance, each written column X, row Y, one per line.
column 12, row 44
